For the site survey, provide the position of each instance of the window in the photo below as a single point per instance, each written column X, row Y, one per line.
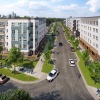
column 13, row 31
column 96, row 30
column 7, row 30
column 24, row 46
column 96, row 38
column 96, row 22
column 93, row 22
column 13, row 24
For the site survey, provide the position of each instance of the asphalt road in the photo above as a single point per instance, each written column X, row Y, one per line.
column 67, row 86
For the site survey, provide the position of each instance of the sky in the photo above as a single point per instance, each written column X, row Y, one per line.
column 51, row 8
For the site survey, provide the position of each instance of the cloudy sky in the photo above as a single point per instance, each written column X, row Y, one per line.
column 51, row 8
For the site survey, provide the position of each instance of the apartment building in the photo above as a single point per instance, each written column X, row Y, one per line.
column 89, row 28
column 73, row 24
column 28, row 34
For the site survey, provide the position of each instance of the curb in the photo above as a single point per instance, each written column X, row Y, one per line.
column 26, row 82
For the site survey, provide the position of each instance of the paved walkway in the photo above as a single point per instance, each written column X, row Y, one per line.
column 37, row 71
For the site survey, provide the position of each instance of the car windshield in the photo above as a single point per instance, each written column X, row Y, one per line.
column 72, row 62
column 50, row 74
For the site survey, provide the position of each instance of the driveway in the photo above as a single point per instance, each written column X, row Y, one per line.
column 67, row 86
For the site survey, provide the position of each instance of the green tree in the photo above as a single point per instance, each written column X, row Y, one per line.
column 47, row 55
column 72, row 38
column 94, row 68
column 1, row 49
column 76, row 43
column 15, row 95
column 85, row 57
column 15, row 57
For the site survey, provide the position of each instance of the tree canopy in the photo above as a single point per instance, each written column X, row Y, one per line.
column 15, row 57
column 94, row 68
column 85, row 57
column 15, row 95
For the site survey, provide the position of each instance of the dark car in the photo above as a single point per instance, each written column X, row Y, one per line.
column 60, row 44
column 72, row 49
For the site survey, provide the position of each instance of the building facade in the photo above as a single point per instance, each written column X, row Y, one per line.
column 74, row 25
column 89, row 28
column 25, row 33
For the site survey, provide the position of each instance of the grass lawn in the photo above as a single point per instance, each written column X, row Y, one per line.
column 47, row 67
column 21, row 76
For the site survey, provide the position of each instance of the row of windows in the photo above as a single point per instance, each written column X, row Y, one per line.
column 89, row 28
column 19, row 24
column 19, row 39
column 89, row 34
column 24, row 31
column 90, row 22
column 89, row 41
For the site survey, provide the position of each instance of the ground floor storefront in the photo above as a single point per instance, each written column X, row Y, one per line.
column 92, row 51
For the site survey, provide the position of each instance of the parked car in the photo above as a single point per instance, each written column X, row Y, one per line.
column 60, row 44
column 71, row 62
column 4, row 80
column 52, row 75
column 72, row 49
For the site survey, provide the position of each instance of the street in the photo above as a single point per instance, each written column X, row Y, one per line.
column 66, row 86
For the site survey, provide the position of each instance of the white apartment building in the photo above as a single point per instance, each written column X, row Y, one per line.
column 27, row 34
column 89, row 28
column 74, row 25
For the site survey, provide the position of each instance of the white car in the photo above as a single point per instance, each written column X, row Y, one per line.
column 52, row 75
column 71, row 62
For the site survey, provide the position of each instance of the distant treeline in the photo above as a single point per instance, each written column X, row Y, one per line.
column 50, row 20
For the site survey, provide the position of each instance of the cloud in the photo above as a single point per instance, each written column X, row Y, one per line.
column 94, row 5
column 55, row 0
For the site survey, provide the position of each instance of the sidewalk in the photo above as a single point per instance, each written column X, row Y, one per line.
column 37, row 71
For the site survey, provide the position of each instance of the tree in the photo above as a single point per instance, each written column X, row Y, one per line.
column 76, row 43
column 1, row 49
column 72, row 38
column 15, row 95
column 15, row 57
column 47, row 55
column 94, row 68
column 85, row 57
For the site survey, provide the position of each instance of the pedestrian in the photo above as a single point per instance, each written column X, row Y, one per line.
column 98, row 92
column 79, row 75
